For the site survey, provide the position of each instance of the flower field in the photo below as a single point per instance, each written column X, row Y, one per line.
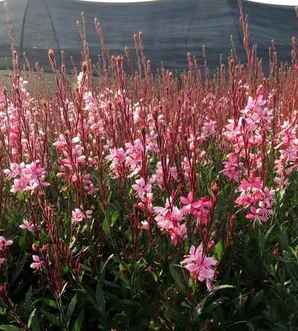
column 146, row 200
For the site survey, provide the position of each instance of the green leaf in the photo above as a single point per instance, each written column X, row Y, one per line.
column 218, row 250
column 110, row 220
column 105, row 264
column 28, row 301
column 114, row 218
column 48, row 302
column 33, row 323
column 106, row 226
column 31, row 317
column 284, row 240
column 79, row 321
column 71, row 308
column 100, row 299
column 221, row 288
column 269, row 232
column 210, row 299
column 178, row 277
column 22, row 242
column 52, row 318
column 7, row 327
column 21, row 196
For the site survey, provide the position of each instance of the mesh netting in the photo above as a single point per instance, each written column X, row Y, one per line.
column 171, row 28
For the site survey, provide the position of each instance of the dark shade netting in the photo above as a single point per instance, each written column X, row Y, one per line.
column 171, row 28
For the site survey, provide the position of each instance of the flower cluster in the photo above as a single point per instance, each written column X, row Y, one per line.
column 27, row 225
column 199, row 209
column 37, row 263
column 201, row 267
column 117, row 157
column 287, row 147
column 72, row 162
column 144, row 194
column 250, row 137
column 78, row 216
column 4, row 246
column 170, row 219
column 141, row 167
column 26, row 177
column 257, row 198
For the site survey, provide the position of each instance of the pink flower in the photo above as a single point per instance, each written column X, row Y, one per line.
column 141, row 188
column 4, row 244
column 200, row 209
column 134, row 156
column 27, row 177
column 26, row 225
column 208, row 129
column 73, row 162
column 169, row 219
column 158, row 176
column 88, row 184
column 249, row 137
column 232, row 167
column 287, row 162
column 14, row 170
column 14, row 130
column 37, row 263
column 60, row 143
column 186, row 166
column 117, row 157
column 201, row 267
column 144, row 194
column 77, row 216
column 187, row 202
column 257, row 198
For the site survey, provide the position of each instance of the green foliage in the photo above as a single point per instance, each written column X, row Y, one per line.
column 257, row 287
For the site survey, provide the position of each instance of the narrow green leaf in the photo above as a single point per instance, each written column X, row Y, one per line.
column 283, row 239
column 71, row 308
column 100, row 299
column 31, row 317
column 222, row 287
column 210, row 299
column 218, row 250
column 106, row 226
column 106, row 263
column 28, row 301
column 114, row 218
column 178, row 278
column 79, row 321
column 33, row 323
